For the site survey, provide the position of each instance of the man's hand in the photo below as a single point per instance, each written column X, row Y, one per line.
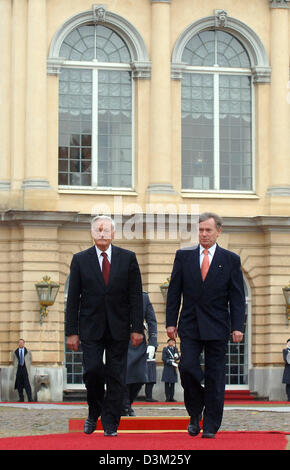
column 171, row 332
column 237, row 336
column 136, row 339
column 73, row 342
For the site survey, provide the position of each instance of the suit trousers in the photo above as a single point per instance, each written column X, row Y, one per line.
column 22, row 382
column 107, row 404
column 209, row 398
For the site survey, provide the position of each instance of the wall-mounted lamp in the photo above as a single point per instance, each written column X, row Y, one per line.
column 286, row 292
column 47, row 291
column 164, row 289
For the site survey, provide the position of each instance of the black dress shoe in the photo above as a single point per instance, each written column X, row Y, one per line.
column 110, row 432
column 208, row 435
column 151, row 400
column 90, row 425
column 193, row 428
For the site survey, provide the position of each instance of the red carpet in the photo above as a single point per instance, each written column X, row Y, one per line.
column 224, row 440
column 139, row 424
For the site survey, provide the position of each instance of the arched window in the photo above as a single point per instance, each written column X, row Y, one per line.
column 95, row 109
column 217, row 118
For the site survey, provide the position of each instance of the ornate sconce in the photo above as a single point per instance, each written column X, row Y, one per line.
column 286, row 292
column 164, row 289
column 47, row 291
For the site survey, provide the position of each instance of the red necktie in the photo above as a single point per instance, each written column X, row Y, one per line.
column 105, row 267
column 205, row 264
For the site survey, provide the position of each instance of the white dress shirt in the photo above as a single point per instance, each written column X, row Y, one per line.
column 211, row 252
column 100, row 257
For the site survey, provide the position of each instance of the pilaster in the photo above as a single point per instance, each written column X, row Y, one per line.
column 279, row 150
column 35, row 185
column 160, row 177
column 5, row 73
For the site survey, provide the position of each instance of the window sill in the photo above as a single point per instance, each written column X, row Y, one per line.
column 93, row 191
column 219, row 195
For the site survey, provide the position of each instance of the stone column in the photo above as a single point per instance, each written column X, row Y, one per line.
column 36, row 98
column 279, row 109
column 5, row 73
column 160, row 178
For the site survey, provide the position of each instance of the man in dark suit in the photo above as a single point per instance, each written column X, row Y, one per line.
column 104, row 310
column 22, row 359
column 210, row 280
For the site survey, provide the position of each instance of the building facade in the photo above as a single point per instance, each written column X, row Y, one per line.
column 151, row 111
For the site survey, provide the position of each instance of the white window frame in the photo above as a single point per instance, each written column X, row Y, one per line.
column 216, row 71
column 95, row 66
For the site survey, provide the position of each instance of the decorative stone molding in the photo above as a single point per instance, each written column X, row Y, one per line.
column 261, row 74
column 124, row 28
column 141, row 70
column 278, row 191
column 248, row 37
column 73, row 219
column 35, row 183
column 177, row 70
column 221, row 17
column 279, row 3
column 5, row 186
column 54, row 65
column 99, row 13
column 160, row 188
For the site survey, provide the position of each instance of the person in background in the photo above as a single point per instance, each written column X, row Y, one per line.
column 22, row 359
column 286, row 373
column 137, row 372
column 170, row 357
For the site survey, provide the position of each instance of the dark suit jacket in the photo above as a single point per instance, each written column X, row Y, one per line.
column 91, row 305
column 286, row 373
column 210, row 309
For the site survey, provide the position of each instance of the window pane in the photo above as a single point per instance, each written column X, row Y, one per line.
column 235, row 132
column 210, row 48
column 115, row 129
column 200, row 50
column 75, row 110
column 90, row 42
column 197, row 132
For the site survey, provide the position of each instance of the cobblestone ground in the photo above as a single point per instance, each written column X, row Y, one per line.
column 16, row 421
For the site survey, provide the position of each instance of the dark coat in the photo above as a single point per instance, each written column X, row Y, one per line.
column 210, row 309
column 91, row 305
column 169, row 373
column 286, row 373
column 21, row 374
column 137, row 371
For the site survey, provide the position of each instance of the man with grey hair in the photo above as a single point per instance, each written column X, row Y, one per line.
column 210, row 280
column 104, row 311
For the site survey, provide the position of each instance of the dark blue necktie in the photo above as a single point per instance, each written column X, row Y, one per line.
column 21, row 357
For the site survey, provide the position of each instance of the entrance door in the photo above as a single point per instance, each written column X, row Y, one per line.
column 237, row 363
